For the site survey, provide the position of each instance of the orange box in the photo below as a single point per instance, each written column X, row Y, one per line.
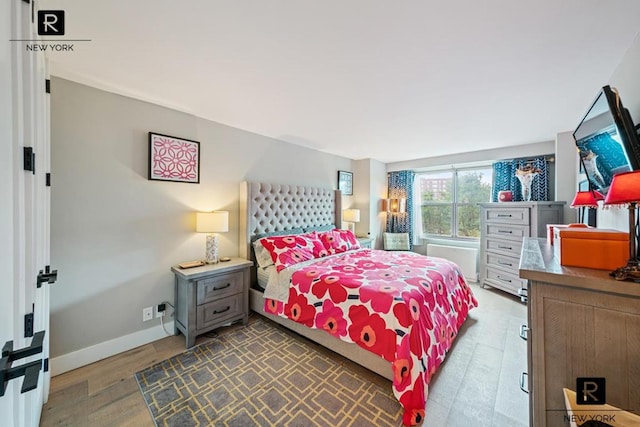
column 592, row 247
column 551, row 231
column 554, row 229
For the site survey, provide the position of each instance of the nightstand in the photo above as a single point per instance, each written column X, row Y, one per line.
column 211, row 296
column 365, row 242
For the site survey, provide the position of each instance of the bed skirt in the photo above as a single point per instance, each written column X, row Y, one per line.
column 351, row 351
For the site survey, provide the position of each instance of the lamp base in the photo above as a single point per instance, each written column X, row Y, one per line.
column 211, row 255
column 351, row 226
column 631, row 271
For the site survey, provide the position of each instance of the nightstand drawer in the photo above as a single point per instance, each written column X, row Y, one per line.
column 218, row 311
column 219, row 286
column 365, row 242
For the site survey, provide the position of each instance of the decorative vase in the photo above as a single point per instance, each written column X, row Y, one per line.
column 525, row 184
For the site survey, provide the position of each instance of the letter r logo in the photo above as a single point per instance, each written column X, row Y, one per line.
column 51, row 22
column 591, row 391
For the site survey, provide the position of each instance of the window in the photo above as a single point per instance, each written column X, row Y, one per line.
column 449, row 201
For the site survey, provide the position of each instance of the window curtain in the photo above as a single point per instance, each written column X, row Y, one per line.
column 504, row 178
column 400, row 186
column 417, row 213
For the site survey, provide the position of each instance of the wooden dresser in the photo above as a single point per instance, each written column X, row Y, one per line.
column 503, row 226
column 582, row 323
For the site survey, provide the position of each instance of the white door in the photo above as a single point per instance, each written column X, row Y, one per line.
column 24, row 208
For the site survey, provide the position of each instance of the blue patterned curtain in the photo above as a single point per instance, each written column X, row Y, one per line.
column 504, row 178
column 401, row 187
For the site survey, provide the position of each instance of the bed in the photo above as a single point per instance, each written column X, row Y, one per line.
column 410, row 339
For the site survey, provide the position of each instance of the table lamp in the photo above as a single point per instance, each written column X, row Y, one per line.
column 212, row 223
column 625, row 190
column 586, row 199
column 394, row 205
column 350, row 217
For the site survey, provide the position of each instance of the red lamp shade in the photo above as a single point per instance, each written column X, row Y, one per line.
column 625, row 188
column 585, row 199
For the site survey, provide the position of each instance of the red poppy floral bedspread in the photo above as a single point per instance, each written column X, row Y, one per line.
column 402, row 306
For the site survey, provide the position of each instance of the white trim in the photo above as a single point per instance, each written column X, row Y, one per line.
column 94, row 353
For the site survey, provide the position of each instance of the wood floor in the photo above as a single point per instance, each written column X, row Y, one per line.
column 477, row 385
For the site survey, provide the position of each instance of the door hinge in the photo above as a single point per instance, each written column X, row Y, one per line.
column 29, row 159
column 47, row 179
column 47, row 276
column 47, row 86
column 30, row 371
column 28, row 325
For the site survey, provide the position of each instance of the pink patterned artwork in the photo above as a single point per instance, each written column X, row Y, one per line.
column 173, row 159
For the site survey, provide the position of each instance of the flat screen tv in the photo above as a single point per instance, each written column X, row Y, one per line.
column 607, row 140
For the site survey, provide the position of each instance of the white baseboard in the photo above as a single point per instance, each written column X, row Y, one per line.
column 76, row 359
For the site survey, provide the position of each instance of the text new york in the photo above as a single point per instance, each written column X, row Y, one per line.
column 57, row 47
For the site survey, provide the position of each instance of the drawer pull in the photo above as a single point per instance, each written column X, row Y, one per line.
column 504, row 215
column 504, row 280
column 222, row 311
column 523, row 294
column 505, row 263
column 523, row 382
column 523, row 332
column 505, row 247
column 222, row 287
column 505, row 231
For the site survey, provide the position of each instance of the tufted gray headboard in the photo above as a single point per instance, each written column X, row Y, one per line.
column 266, row 208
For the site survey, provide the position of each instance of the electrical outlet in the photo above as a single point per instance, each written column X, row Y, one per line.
column 160, row 308
column 147, row 314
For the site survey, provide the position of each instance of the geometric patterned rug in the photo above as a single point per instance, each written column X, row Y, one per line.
column 263, row 375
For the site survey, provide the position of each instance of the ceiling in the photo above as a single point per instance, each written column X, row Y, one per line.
column 375, row 79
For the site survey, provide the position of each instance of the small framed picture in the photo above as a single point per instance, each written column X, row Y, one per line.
column 173, row 159
column 345, row 182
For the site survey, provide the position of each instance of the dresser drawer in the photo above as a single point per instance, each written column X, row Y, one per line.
column 504, row 280
column 219, row 286
column 507, row 215
column 507, row 231
column 504, row 247
column 219, row 311
column 503, row 262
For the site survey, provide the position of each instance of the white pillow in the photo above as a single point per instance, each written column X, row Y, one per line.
column 262, row 255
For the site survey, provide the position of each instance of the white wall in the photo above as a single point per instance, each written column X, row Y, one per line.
column 527, row 150
column 566, row 172
column 370, row 178
column 115, row 234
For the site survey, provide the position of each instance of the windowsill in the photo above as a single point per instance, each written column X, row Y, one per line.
column 452, row 241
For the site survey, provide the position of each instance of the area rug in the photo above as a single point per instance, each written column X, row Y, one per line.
column 263, row 375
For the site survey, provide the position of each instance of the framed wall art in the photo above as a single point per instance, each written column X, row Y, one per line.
column 173, row 159
column 345, row 183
